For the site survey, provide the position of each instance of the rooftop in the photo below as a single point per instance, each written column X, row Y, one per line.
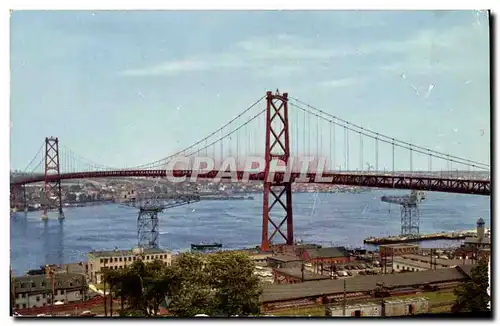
column 399, row 245
column 478, row 240
column 118, row 253
column 281, row 292
column 439, row 261
column 333, row 252
column 285, row 258
column 35, row 283
column 297, row 273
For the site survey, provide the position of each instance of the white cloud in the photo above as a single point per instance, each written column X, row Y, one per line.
column 428, row 51
column 342, row 82
column 170, row 68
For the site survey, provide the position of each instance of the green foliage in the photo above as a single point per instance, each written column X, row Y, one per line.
column 472, row 296
column 218, row 284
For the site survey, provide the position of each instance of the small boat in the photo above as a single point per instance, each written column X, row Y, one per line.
column 204, row 246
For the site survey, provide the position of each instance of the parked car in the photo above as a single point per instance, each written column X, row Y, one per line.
column 349, row 273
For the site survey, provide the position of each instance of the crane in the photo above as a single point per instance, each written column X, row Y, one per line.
column 149, row 207
column 410, row 215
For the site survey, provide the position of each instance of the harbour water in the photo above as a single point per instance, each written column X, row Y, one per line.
column 324, row 218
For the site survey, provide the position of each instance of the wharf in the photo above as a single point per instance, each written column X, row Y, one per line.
column 456, row 235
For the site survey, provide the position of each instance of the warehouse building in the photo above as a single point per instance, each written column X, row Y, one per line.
column 311, row 293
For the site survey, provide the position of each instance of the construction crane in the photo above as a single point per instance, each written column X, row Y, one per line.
column 149, row 206
column 410, row 214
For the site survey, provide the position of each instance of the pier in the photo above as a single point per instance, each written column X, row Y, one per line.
column 456, row 235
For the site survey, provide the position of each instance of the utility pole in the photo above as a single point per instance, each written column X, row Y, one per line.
column 104, row 282
column 302, row 271
column 344, row 300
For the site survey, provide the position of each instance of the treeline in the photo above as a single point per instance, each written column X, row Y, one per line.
column 220, row 284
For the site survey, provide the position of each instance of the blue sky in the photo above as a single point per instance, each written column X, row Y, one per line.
column 126, row 88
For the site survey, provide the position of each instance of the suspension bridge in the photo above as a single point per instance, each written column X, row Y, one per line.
column 278, row 128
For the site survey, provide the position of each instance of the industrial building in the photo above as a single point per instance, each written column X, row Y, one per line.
column 278, row 296
column 118, row 259
column 40, row 290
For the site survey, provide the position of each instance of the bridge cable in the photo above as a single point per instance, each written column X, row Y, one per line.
column 393, row 141
column 34, row 157
column 387, row 137
column 203, row 139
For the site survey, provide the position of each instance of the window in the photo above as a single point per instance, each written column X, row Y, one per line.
column 397, row 266
column 37, row 298
column 147, row 257
column 22, row 285
column 21, row 295
column 116, row 260
column 33, row 284
column 70, row 284
column 129, row 258
column 357, row 313
column 102, row 261
column 120, row 259
column 24, row 305
column 135, row 258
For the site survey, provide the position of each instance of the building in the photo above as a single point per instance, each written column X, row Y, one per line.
column 415, row 263
column 481, row 241
column 398, row 249
column 277, row 296
column 284, row 261
column 326, row 256
column 359, row 310
column 411, row 306
column 118, row 259
column 295, row 275
column 32, row 291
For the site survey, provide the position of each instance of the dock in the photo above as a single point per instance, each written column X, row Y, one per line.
column 456, row 235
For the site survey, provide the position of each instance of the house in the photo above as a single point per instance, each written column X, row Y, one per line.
column 32, row 291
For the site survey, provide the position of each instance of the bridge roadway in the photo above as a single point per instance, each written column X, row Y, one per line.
column 425, row 183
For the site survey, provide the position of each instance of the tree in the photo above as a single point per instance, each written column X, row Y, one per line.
column 472, row 296
column 192, row 293
column 237, row 288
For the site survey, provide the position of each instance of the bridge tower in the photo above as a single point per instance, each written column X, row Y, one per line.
column 277, row 147
column 52, row 168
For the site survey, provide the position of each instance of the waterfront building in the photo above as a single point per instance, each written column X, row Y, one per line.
column 480, row 241
column 40, row 290
column 118, row 259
